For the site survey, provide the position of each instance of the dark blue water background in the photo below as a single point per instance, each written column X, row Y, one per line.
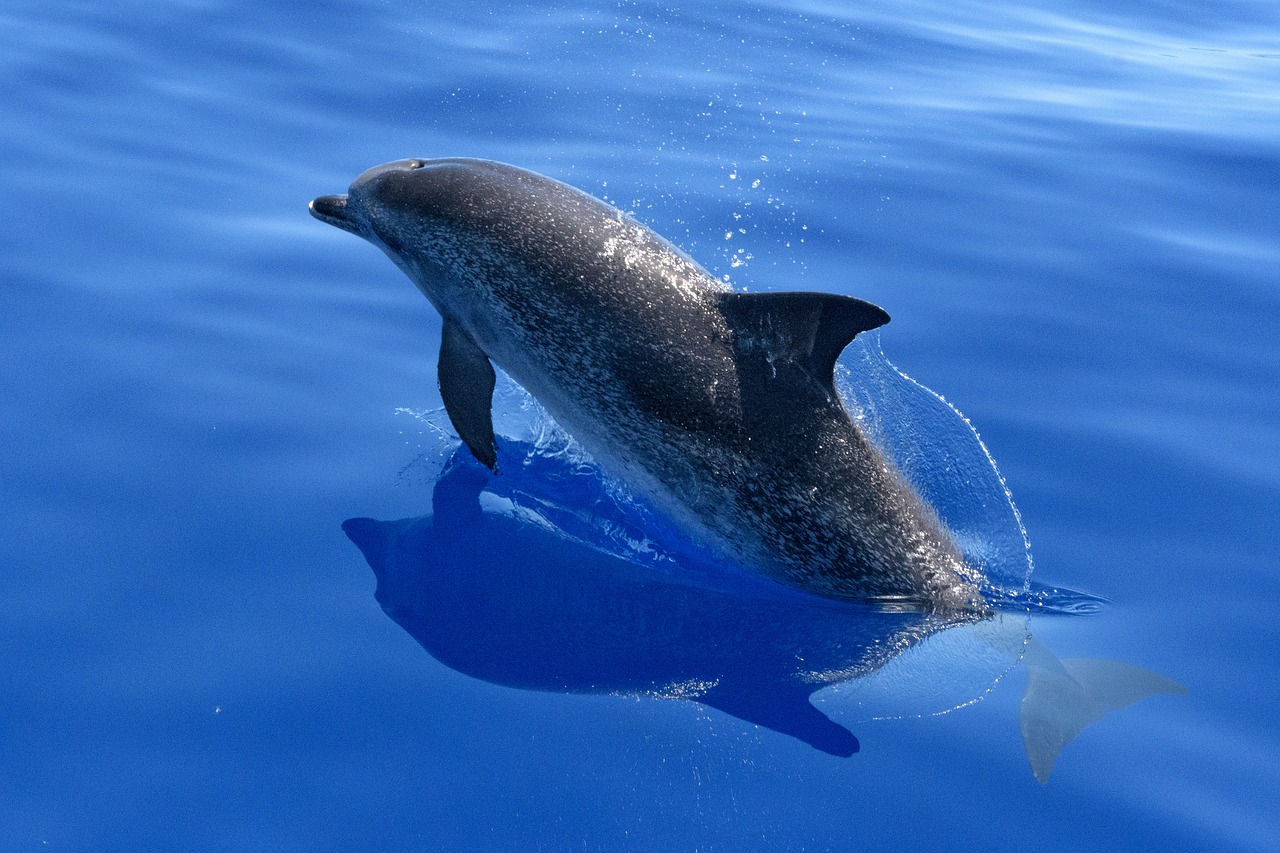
column 1069, row 209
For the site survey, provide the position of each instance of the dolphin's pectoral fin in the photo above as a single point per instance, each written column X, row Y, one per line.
column 466, row 385
column 810, row 329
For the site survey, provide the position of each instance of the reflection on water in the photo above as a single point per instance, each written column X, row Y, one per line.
column 514, row 602
column 499, row 592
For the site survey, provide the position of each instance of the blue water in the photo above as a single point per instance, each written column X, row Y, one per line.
column 1069, row 209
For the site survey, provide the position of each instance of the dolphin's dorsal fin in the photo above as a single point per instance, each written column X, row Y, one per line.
column 466, row 385
column 810, row 329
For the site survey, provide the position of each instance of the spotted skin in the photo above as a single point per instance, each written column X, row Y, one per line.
column 718, row 407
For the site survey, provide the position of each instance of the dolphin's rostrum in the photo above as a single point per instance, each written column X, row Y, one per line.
column 719, row 407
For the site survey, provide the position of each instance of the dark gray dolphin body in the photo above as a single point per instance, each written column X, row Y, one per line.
column 719, row 407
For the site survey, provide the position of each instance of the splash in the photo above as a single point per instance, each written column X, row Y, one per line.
column 941, row 455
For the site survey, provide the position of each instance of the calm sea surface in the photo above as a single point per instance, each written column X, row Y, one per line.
column 1071, row 211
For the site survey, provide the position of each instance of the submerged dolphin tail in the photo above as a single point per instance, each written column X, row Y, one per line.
column 1063, row 697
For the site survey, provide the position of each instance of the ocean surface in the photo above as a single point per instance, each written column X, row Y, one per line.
column 1070, row 210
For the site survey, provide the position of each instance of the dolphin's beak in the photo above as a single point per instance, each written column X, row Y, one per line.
column 333, row 209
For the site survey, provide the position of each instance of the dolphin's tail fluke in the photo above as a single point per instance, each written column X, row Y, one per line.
column 1063, row 697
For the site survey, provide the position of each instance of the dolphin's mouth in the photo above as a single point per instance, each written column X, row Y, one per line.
column 333, row 210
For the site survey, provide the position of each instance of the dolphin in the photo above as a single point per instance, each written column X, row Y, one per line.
column 718, row 407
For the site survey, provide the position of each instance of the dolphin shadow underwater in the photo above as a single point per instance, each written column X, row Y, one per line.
column 497, row 591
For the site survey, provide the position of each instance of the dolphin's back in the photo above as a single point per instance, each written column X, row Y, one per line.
column 557, row 277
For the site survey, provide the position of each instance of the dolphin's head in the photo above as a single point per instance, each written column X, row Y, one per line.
column 394, row 204
column 437, row 217
column 374, row 201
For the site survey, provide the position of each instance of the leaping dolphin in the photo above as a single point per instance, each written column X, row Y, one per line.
column 718, row 407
